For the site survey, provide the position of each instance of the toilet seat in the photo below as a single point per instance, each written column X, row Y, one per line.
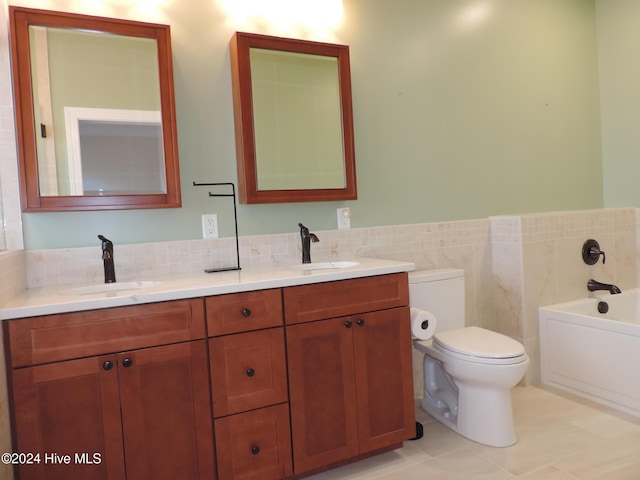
column 474, row 344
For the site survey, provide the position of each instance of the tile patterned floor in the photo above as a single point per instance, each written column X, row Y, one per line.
column 560, row 437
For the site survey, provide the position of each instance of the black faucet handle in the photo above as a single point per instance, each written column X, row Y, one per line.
column 598, row 252
column 591, row 252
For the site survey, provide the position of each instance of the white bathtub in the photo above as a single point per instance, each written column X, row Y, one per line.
column 594, row 355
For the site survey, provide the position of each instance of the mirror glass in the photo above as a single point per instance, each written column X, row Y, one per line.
column 294, row 127
column 91, row 110
column 296, row 114
column 96, row 118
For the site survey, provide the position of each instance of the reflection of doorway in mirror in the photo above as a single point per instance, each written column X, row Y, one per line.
column 114, row 152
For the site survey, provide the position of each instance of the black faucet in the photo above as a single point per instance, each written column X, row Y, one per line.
column 592, row 286
column 107, row 259
column 307, row 238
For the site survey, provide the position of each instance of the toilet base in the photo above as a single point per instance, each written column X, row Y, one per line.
column 471, row 399
column 484, row 417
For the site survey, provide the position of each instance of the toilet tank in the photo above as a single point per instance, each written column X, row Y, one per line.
column 440, row 292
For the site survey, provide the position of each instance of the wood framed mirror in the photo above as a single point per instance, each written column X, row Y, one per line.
column 293, row 120
column 95, row 112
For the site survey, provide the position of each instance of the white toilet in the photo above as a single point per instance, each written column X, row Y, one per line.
column 468, row 372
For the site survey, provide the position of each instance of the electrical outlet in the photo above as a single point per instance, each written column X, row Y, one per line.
column 344, row 218
column 210, row 226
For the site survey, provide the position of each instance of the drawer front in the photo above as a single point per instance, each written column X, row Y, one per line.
column 255, row 445
column 248, row 371
column 306, row 303
column 53, row 338
column 243, row 312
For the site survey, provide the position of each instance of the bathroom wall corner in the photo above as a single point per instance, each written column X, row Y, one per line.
column 10, row 211
column 637, row 245
column 507, row 266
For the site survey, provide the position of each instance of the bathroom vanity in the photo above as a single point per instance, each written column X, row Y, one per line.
column 243, row 375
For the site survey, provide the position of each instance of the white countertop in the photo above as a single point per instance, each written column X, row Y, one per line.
column 61, row 299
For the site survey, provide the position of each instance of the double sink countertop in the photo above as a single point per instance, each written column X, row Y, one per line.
column 74, row 298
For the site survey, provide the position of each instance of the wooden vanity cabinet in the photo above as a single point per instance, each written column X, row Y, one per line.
column 350, row 377
column 288, row 380
column 249, row 385
column 143, row 413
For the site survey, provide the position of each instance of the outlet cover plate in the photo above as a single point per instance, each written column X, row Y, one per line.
column 344, row 218
column 210, row 225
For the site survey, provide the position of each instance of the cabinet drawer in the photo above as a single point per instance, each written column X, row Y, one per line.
column 306, row 303
column 243, row 312
column 255, row 445
column 81, row 334
column 248, row 371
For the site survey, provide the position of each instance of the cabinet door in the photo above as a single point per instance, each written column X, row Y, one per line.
column 384, row 378
column 166, row 412
column 322, row 393
column 69, row 408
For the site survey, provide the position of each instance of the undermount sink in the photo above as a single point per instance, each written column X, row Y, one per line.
column 111, row 287
column 326, row 265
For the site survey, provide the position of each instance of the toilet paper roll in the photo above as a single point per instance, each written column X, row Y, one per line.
column 423, row 324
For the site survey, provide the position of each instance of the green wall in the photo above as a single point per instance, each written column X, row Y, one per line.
column 619, row 53
column 462, row 109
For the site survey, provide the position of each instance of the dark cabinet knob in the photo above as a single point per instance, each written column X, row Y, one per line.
column 360, row 322
column 127, row 362
column 107, row 365
column 255, row 449
column 250, row 372
column 246, row 312
column 348, row 324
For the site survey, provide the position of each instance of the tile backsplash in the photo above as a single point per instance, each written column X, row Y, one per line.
column 13, row 274
column 513, row 264
column 427, row 245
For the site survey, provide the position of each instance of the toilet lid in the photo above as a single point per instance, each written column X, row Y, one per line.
column 478, row 342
